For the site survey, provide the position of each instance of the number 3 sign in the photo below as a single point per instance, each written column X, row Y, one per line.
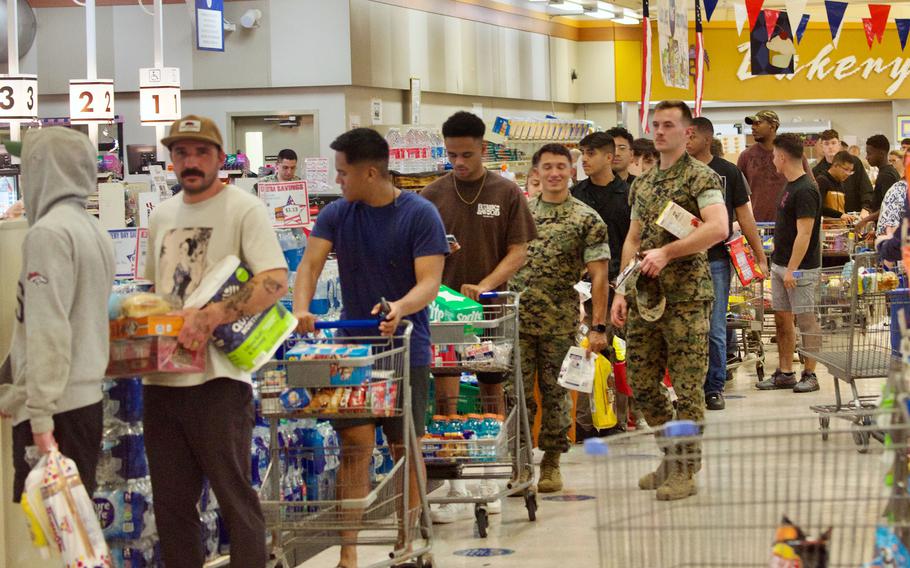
column 91, row 100
column 18, row 97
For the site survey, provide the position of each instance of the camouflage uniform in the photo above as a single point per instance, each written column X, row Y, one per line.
column 570, row 235
column 272, row 178
column 678, row 341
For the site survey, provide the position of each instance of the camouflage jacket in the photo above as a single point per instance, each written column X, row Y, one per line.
column 272, row 178
column 692, row 185
column 570, row 235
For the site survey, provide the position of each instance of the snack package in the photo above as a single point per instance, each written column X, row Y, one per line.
column 129, row 328
column 890, row 551
column 251, row 341
column 340, row 375
column 61, row 512
column 144, row 304
column 145, row 355
column 743, row 260
column 793, row 549
column 677, row 221
column 295, row 398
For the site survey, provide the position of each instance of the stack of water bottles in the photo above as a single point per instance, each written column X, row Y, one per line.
column 463, row 437
column 123, row 500
column 416, row 150
column 293, row 245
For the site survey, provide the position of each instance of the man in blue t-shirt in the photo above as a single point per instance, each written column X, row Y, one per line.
column 390, row 245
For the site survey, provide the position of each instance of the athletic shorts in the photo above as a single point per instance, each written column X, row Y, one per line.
column 799, row 300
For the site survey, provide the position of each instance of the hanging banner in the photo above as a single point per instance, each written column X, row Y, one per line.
column 645, row 103
column 210, row 25
column 710, row 5
column 878, row 13
column 801, row 28
column 870, row 34
column 795, row 9
column 699, row 60
column 835, row 12
column 753, row 7
column 903, row 29
column 739, row 12
column 771, row 17
column 673, row 32
column 772, row 45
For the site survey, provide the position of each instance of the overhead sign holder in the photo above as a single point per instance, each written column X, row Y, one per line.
column 91, row 101
column 210, row 25
column 18, row 98
column 159, row 95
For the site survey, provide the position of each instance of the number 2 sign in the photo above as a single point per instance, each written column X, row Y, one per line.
column 18, row 97
column 91, row 100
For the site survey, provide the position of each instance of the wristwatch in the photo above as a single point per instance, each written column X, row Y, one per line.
column 599, row 328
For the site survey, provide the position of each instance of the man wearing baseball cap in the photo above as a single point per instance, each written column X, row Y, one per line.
column 757, row 164
column 199, row 425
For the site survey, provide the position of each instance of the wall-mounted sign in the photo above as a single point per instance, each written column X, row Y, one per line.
column 159, row 95
column 210, row 25
column 18, row 97
column 91, row 100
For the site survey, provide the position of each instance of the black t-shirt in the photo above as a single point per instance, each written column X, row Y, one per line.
column 736, row 194
column 798, row 200
column 887, row 176
column 612, row 204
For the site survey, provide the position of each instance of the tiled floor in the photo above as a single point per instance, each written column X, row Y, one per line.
column 564, row 533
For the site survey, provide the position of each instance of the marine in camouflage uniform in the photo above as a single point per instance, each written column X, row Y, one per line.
column 272, row 178
column 678, row 340
column 570, row 235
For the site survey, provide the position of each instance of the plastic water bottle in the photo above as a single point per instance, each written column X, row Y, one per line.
column 293, row 244
column 438, row 426
column 492, row 424
column 471, row 429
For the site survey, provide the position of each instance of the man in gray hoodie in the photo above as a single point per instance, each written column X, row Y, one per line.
column 51, row 382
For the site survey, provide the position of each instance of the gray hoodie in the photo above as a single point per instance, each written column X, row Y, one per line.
column 60, row 341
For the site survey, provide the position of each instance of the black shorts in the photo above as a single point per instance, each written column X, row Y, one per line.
column 394, row 427
column 78, row 435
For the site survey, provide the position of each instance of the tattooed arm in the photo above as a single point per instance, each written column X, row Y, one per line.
column 257, row 295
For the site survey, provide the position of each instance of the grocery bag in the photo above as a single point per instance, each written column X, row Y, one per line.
column 602, row 414
column 61, row 512
column 577, row 372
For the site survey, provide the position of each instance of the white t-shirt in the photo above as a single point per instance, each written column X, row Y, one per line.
column 186, row 240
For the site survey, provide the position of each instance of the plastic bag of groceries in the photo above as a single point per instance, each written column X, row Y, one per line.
column 61, row 516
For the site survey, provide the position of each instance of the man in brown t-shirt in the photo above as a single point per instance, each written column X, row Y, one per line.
column 756, row 163
column 490, row 218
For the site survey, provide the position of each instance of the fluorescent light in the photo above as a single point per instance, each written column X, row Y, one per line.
column 607, row 7
column 567, row 6
column 626, row 20
column 601, row 15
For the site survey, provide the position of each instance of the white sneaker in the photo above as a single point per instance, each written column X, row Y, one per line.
column 488, row 488
column 450, row 512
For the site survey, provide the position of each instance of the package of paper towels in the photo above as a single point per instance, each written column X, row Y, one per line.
column 250, row 341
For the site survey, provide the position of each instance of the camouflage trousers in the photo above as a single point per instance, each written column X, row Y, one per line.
column 678, row 341
column 542, row 355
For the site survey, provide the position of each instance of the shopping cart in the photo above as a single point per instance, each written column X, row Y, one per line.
column 853, row 339
column 381, row 516
column 745, row 320
column 507, row 455
column 837, row 241
column 754, row 473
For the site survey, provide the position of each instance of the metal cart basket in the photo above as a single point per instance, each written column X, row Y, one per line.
column 745, row 320
column 379, row 517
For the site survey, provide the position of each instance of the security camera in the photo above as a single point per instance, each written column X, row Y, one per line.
column 250, row 19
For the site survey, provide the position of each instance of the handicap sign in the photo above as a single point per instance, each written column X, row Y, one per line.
column 484, row 552
column 568, row 498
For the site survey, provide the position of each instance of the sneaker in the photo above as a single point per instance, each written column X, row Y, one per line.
column 807, row 383
column 715, row 401
column 450, row 512
column 489, row 488
column 778, row 380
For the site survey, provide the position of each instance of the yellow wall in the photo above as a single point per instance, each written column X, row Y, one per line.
column 822, row 71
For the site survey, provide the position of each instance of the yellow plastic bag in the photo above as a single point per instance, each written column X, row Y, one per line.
column 602, row 414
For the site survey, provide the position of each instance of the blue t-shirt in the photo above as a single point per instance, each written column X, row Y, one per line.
column 376, row 248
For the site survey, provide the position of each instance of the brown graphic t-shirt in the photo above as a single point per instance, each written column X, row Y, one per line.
column 485, row 225
column 766, row 183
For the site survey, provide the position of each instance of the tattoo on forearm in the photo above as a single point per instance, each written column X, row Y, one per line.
column 235, row 303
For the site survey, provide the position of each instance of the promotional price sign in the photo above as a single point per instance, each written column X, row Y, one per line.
column 287, row 203
column 159, row 95
column 18, row 97
column 91, row 100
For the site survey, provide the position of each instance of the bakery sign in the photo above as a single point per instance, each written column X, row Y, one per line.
column 823, row 67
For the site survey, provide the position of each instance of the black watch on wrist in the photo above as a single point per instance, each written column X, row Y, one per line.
column 599, row 328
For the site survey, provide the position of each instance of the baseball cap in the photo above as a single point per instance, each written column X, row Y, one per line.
column 650, row 299
column 193, row 127
column 766, row 115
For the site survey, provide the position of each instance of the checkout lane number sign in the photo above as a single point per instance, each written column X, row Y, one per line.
column 159, row 95
column 18, row 97
column 91, row 100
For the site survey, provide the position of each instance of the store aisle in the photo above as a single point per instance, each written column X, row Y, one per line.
column 563, row 534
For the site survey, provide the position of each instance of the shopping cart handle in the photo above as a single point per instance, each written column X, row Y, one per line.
column 681, row 429
column 596, row 447
column 489, row 295
column 349, row 324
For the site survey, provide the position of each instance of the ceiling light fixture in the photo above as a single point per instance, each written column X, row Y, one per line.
column 568, row 6
column 626, row 21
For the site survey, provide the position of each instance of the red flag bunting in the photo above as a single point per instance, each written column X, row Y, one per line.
column 771, row 17
column 753, row 7
column 879, row 17
column 870, row 33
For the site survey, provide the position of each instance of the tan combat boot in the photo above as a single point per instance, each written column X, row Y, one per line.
column 682, row 465
column 550, row 479
column 656, row 478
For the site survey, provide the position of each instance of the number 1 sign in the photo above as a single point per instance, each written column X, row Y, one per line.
column 91, row 100
column 159, row 95
column 18, row 98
